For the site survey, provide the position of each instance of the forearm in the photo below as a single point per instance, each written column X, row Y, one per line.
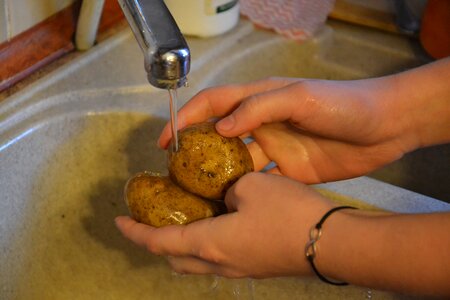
column 404, row 253
column 418, row 102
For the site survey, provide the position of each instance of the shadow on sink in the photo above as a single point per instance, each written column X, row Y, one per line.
column 140, row 153
column 106, row 204
column 71, row 240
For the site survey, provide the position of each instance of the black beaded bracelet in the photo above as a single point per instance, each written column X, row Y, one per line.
column 311, row 248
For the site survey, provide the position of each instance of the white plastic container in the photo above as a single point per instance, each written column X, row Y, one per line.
column 204, row 18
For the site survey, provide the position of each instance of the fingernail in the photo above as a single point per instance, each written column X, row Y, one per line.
column 158, row 144
column 226, row 124
column 117, row 221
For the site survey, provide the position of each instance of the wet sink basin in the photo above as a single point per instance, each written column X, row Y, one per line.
column 69, row 142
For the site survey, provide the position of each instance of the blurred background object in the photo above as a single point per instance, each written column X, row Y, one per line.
column 297, row 20
column 435, row 31
column 204, row 18
column 87, row 25
column 397, row 16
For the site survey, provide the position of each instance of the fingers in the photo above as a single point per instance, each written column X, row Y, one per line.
column 134, row 231
column 152, row 239
column 237, row 194
column 183, row 245
column 214, row 102
column 267, row 107
column 260, row 159
column 218, row 102
column 174, row 240
column 192, row 265
column 138, row 233
column 274, row 171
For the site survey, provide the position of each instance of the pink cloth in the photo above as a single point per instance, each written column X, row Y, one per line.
column 295, row 19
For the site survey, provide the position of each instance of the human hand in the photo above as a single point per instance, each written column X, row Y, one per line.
column 263, row 235
column 314, row 130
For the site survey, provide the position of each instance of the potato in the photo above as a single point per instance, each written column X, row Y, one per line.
column 157, row 201
column 206, row 163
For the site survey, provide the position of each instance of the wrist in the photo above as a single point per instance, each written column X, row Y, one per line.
column 344, row 235
column 311, row 247
column 421, row 104
column 318, row 207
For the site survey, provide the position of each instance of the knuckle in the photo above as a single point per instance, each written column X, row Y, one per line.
column 204, row 92
column 249, row 178
column 305, row 89
column 178, row 268
column 240, row 188
column 207, row 98
column 252, row 103
column 210, row 254
column 153, row 248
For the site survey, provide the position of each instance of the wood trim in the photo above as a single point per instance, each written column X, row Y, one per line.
column 365, row 16
column 46, row 42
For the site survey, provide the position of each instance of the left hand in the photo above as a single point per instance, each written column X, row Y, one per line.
column 314, row 131
column 263, row 235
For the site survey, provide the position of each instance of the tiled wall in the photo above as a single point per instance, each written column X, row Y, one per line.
column 17, row 16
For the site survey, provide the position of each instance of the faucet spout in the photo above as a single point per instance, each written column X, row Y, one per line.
column 166, row 53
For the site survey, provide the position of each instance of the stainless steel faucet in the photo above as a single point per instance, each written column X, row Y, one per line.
column 166, row 53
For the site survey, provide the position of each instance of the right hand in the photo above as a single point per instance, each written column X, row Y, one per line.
column 314, row 130
column 259, row 237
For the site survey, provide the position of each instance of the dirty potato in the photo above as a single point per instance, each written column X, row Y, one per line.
column 206, row 163
column 157, row 201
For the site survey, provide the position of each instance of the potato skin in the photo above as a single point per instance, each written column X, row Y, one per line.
column 206, row 163
column 157, row 201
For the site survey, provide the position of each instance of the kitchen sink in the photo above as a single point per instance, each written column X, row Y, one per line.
column 69, row 142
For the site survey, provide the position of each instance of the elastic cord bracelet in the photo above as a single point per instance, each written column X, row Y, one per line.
column 311, row 248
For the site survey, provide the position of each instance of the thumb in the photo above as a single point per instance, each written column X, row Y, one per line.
column 251, row 185
column 267, row 107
